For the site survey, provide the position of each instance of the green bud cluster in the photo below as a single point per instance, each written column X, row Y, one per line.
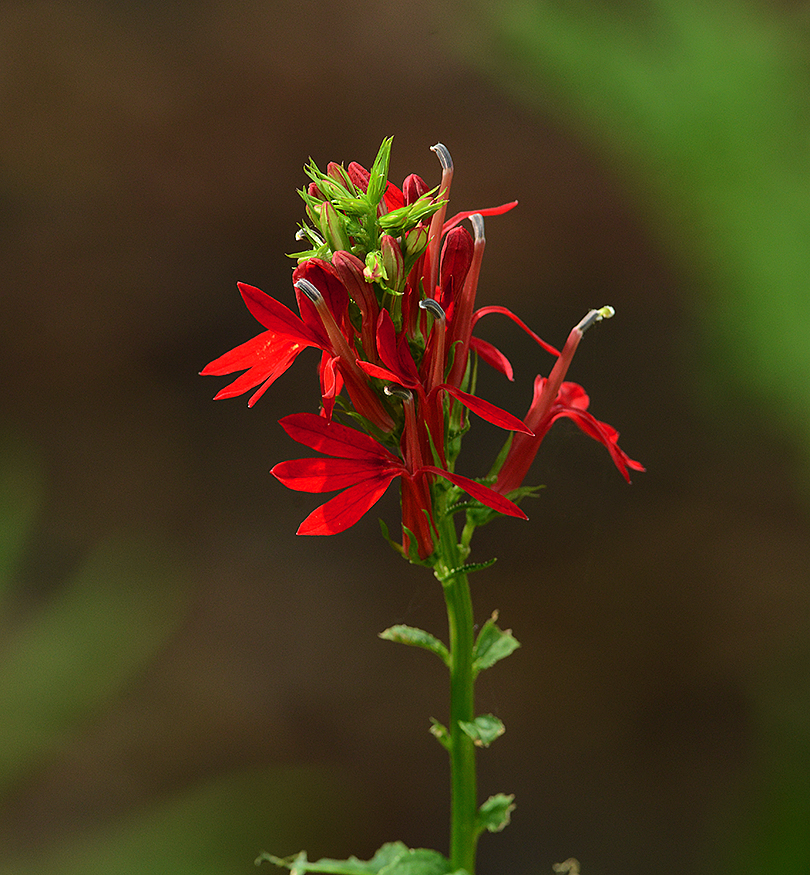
column 343, row 217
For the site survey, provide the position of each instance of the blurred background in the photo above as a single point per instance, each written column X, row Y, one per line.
column 183, row 682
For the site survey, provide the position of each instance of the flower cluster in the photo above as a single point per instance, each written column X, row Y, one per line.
column 387, row 293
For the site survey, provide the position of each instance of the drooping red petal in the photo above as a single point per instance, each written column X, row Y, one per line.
column 326, row 474
column 334, row 439
column 486, row 410
column 492, row 356
column 274, row 315
column 480, row 492
column 602, row 432
column 506, row 312
column 345, row 509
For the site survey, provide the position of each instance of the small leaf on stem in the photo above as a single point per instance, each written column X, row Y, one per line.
column 494, row 814
column 417, row 638
column 483, row 730
column 492, row 645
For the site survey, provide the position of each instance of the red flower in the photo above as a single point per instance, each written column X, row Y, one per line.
column 324, row 324
column 552, row 400
column 360, row 466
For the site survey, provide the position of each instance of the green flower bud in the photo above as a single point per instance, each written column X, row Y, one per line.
column 375, row 269
column 333, row 226
column 393, row 262
column 415, row 242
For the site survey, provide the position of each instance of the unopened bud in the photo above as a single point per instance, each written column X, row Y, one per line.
column 413, row 188
column 415, row 241
column 374, row 270
column 338, row 173
column 333, row 226
column 393, row 262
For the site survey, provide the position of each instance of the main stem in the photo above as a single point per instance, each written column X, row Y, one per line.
column 464, row 807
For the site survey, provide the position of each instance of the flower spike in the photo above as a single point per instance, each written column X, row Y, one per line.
column 388, row 295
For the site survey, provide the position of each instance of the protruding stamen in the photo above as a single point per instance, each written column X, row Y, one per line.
column 477, row 221
column 594, row 316
column 443, row 154
column 310, row 291
column 433, row 307
column 400, row 392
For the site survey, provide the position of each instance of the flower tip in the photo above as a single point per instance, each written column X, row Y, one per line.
column 433, row 307
column 443, row 154
column 309, row 290
column 594, row 316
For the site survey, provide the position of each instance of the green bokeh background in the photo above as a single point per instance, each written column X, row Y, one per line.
column 183, row 683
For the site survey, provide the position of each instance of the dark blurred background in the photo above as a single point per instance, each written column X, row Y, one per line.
column 183, row 682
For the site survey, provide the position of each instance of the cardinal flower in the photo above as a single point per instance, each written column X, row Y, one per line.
column 360, row 466
column 552, row 400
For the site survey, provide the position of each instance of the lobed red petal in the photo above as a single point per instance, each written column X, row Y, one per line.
column 487, row 410
column 480, row 492
column 334, row 439
column 492, row 356
column 345, row 509
column 327, row 474
column 275, row 316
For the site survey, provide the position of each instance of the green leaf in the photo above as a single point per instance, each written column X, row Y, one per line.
column 417, row 638
column 394, row 858
column 492, row 645
column 495, row 813
column 439, row 731
column 483, row 730
column 387, row 854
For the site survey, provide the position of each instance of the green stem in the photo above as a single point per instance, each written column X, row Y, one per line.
column 464, row 807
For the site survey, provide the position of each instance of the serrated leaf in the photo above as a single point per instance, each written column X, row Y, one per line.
column 394, row 858
column 417, row 638
column 483, row 730
column 418, row 862
column 492, row 645
column 298, row 864
column 440, row 733
column 495, row 813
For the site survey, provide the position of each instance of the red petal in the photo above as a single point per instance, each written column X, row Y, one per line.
column 492, row 356
column 274, row 315
column 326, row 474
column 488, row 411
column 483, row 493
column 344, row 510
column 267, row 357
column 334, row 439
column 505, row 312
